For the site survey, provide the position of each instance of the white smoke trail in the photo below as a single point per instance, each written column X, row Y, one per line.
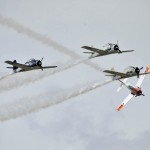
column 34, row 103
column 21, row 79
column 5, row 76
column 10, row 23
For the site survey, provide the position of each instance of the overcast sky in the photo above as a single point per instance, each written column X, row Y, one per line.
column 47, row 118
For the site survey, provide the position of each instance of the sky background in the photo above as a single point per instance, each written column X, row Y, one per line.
column 49, row 109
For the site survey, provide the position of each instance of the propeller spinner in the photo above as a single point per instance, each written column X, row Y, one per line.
column 39, row 63
column 137, row 70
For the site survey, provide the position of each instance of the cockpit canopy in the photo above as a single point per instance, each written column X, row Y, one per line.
column 110, row 46
column 129, row 69
column 31, row 60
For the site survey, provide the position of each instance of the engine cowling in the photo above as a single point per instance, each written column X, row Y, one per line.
column 116, row 47
column 39, row 63
column 139, row 92
column 137, row 70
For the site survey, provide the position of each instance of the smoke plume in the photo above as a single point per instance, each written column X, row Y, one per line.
column 10, row 23
column 34, row 103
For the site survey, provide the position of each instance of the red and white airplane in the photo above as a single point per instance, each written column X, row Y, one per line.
column 135, row 91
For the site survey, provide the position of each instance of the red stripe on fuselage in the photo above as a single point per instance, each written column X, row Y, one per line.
column 136, row 91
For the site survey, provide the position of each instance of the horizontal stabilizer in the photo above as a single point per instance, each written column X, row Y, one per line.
column 110, row 75
column 124, row 81
column 119, row 88
column 88, row 52
column 10, row 67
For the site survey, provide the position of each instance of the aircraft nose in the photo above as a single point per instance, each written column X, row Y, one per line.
column 39, row 63
column 137, row 69
column 140, row 92
column 116, row 47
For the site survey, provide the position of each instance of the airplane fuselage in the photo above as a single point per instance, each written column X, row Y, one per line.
column 33, row 63
column 135, row 90
column 106, row 52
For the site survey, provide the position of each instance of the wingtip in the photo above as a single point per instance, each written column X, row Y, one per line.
column 53, row 66
column 131, row 50
column 147, row 69
column 120, row 107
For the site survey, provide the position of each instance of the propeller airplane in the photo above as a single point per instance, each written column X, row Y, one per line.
column 135, row 90
column 107, row 50
column 32, row 64
column 130, row 72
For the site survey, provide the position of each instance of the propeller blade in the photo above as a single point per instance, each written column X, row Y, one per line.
column 133, row 67
column 42, row 59
column 41, row 68
column 141, row 68
column 15, row 61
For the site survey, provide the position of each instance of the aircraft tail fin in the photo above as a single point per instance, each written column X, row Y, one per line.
column 14, row 68
column 112, row 69
column 124, row 81
column 110, row 75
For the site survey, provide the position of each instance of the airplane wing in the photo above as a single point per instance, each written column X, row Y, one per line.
column 99, row 51
column 127, row 51
column 114, row 73
column 126, row 100
column 22, row 66
column 46, row 67
column 141, row 79
column 38, row 67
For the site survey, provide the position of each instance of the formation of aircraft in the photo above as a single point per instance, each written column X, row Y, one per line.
column 135, row 90
column 107, row 50
column 32, row 64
